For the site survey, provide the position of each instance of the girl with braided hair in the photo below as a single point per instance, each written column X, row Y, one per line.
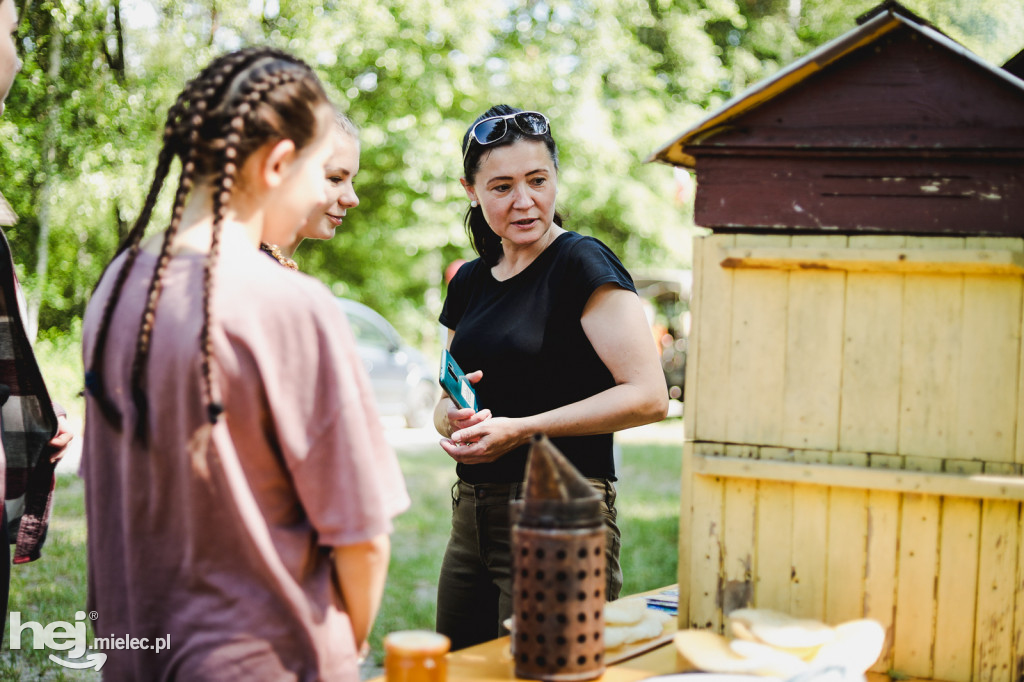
column 239, row 491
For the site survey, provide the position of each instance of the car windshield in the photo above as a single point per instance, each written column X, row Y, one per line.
column 368, row 333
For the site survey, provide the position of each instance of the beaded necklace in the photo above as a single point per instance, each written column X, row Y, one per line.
column 275, row 252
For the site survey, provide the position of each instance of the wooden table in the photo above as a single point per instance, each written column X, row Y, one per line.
column 492, row 661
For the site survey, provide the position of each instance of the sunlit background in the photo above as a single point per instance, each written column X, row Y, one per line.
column 617, row 78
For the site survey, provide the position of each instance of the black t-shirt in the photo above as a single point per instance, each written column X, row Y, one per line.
column 525, row 333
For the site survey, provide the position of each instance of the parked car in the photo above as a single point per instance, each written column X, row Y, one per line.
column 402, row 378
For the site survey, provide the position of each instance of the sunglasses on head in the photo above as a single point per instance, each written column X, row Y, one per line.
column 490, row 130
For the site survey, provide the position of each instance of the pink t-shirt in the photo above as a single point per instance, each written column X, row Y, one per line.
column 226, row 548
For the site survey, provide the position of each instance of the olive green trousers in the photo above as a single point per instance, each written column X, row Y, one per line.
column 474, row 592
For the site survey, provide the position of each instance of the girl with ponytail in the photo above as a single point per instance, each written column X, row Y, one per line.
column 239, row 491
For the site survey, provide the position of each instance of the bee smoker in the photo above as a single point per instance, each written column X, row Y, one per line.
column 558, row 565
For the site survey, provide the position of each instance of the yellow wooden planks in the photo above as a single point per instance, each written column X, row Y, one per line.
column 989, row 357
column 706, row 553
column 691, row 397
column 997, row 571
column 810, row 543
column 921, row 476
column 757, row 352
column 915, row 591
column 1019, row 436
column 872, row 350
column 740, row 517
column 712, row 333
column 957, row 588
column 880, row 566
column 930, row 376
column 1018, row 612
column 814, row 353
column 847, row 547
column 908, row 261
column 774, row 545
column 905, row 369
column 686, row 535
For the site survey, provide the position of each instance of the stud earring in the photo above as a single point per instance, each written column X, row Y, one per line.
column 473, row 203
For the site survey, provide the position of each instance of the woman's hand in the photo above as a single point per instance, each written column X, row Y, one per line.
column 486, row 440
column 463, row 417
column 448, row 417
column 59, row 443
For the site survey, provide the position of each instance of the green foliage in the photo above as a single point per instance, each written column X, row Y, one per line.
column 991, row 29
column 59, row 354
column 617, row 78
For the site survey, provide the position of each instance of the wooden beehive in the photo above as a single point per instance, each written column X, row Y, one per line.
column 855, row 387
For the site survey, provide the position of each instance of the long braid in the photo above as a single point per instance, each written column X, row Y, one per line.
column 196, row 118
column 221, row 197
column 94, row 375
column 142, row 344
column 180, row 133
column 251, row 94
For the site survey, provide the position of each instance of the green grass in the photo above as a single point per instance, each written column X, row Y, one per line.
column 648, row 505
column 54, row 588
column 60, row 360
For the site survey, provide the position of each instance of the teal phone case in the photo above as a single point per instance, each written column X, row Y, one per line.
column 453, row 381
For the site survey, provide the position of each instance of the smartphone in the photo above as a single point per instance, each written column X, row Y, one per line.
column 454, row 382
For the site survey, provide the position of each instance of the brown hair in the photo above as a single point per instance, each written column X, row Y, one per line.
column 485, row 241
column 239, row 102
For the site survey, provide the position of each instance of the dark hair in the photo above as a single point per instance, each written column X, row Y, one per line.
column 485, row 241
column 239, row 102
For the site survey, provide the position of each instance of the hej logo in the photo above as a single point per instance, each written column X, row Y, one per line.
column 60, row 636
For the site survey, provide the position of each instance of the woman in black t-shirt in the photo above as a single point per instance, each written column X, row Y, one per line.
column 549, row 325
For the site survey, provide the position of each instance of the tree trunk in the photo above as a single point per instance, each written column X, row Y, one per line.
column 116, row 60
column 35, row 297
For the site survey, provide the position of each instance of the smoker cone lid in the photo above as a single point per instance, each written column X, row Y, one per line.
column 555, row 492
